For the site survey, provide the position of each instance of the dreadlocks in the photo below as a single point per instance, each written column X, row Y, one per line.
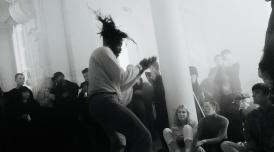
column 109, row 31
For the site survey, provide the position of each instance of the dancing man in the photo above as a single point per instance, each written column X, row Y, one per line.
column 107, row 80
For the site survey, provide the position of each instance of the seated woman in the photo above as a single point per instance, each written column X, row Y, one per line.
column 212, row 129
column 24, row 119
column 181, row 136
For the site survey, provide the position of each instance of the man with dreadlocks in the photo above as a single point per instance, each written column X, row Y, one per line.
column 107, row 80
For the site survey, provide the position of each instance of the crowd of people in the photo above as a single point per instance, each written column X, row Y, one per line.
column 114, row 110
column 211, row 134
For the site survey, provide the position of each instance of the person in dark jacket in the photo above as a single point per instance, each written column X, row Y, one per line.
column 138, row 103
column 266, row 68
column 234, row 114
column 227, row 77
column 93, row 130
column 161, row 121
column 25, row 122
column 65, row 100
column 10, row 95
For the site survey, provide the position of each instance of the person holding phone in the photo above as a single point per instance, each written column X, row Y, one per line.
column 181, row 135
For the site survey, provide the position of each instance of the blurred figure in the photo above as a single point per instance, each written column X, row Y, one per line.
column 137, row 101
column 82, row 104
column 65, row 93
column 266, row 69
column 49, row 113
column 45, row 97
column 92, row 131
column 219, row 62
column 212, row 129
column 147, row 96
column 12, row 94
column 161, row 121
column 227, row 77
column 234, row 114
column 208, row 85
column 25, row 122
column 65, row 100
column 180, row 137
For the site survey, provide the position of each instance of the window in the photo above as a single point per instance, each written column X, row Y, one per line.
column 20, row 42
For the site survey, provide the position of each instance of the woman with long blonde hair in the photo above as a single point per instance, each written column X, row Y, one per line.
column 180, row 136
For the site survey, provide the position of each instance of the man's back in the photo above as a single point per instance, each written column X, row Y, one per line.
column 259, row 129
column 105, row 74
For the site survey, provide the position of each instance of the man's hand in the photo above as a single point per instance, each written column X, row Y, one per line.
column 26, row 117
column 200, row 143
column 85, row 88
column 175, row 134
column 146, row 63
column 139, row 92
column 65, row 94
column 240, row 143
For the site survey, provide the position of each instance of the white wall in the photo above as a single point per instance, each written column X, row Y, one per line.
column 81, row 35
column 56, row 37
column 7, row 60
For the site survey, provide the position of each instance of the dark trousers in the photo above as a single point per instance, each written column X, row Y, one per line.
column 119, row 123
column 140, row 111
column 150, row 116
column 213, row 147
column 160, row 128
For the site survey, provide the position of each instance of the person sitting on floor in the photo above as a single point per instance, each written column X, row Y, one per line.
column 235, row 116
column 259, row 124
column 212, row 129
column 181, row 136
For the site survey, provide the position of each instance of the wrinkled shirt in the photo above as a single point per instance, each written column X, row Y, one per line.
column 106, row 75
column 259, row 130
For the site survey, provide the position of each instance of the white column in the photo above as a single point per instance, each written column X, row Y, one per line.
column 173, row 56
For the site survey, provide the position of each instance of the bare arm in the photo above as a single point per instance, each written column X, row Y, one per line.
column 194, row 129
column 221, row 134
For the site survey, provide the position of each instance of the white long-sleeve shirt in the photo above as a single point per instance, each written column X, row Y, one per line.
column 106, row 75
